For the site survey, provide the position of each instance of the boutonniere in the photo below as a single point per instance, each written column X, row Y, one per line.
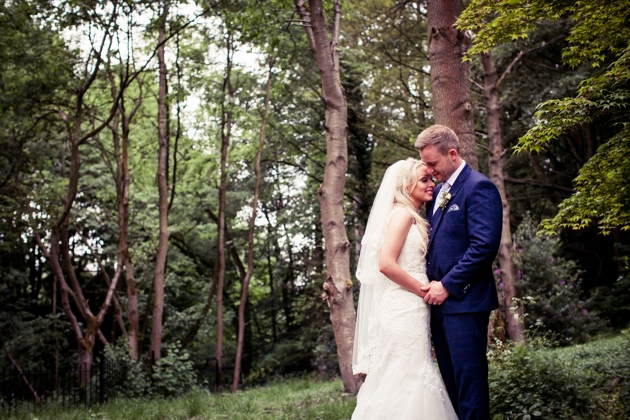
column 446, row 197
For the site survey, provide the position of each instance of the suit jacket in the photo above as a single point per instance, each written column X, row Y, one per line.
column 463, row 242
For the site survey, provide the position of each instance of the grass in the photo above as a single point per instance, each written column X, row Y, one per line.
column 597, row 372
column 290, row 399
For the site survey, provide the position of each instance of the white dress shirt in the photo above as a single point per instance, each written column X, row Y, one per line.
column 446, row 186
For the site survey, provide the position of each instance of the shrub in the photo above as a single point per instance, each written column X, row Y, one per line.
column 137, row 383
column 580, row 382
column 553, row 284
column 522, row 381
column 172, row 375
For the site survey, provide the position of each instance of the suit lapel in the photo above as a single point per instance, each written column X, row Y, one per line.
column 439, row 213
column 460, row 180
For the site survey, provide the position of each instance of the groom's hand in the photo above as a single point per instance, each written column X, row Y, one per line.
column 435, row 293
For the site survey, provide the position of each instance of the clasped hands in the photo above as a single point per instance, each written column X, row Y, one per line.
column 434, row 293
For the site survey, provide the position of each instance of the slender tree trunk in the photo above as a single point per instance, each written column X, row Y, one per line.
column 133, row 315
column 123, row 182
column 450, row 87
column 250, row 236
column 162, row 178
column 270, row 271
column 513, row 313
column 338, row 285
column 226, row 132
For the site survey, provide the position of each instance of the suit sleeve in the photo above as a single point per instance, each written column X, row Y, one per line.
column 484, row 214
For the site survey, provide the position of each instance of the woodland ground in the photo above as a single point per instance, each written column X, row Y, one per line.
column 602, row 363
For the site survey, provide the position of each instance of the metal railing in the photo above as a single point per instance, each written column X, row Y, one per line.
column 79, row 385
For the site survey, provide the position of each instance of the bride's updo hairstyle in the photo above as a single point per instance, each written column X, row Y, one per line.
column 407, row 180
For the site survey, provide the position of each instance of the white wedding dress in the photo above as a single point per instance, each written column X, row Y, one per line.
column 402, row 380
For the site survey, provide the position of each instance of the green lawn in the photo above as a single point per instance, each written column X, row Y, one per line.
column 291, row 399
column 588, row 381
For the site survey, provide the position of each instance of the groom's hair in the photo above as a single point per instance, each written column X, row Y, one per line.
column 442, row 137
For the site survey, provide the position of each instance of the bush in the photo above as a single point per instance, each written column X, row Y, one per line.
column 580, row 382
column 523, row 382
column 137, row 383
column 172, row 375
column 553, row 284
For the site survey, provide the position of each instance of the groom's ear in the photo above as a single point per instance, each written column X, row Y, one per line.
column 452, row 154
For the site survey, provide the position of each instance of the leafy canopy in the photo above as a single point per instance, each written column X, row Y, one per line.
column 600, row 35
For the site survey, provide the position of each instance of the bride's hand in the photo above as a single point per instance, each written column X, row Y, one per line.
column 435, row 293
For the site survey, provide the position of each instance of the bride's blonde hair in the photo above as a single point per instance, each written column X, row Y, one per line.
column 407, row 180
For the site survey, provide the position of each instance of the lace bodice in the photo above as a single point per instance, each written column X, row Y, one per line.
column 411, row 259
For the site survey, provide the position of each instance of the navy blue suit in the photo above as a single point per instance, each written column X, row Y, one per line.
column 463, row 242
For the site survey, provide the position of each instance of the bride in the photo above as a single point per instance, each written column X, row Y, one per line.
column 392, row 342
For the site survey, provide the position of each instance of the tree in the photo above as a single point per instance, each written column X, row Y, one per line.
column 338, row 285
column 250, row 234
column 58, row 252
column 599, row 37
column 121, row 131
column 450, row 87
column 162, row 179
column 512, row 312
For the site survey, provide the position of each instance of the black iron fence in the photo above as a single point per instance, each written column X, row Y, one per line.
column 80, row 385
column 67, row 384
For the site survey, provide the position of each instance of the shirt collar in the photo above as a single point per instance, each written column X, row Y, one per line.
column 453, row 177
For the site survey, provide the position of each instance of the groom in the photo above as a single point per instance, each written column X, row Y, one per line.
column 465, row 217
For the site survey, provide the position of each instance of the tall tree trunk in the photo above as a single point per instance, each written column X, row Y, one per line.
column 123, row 182
column 338, row 285
column 226, row 132
column 270, row 273
column 250, row 235
column 513, row 315
column 162, row 178
column 133, row 315
column 450, row 87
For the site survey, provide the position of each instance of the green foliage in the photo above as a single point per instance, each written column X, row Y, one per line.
column 292, row 398
column 580, row 382
column 614, row 302
column 600, row 31
column 522, row 381
column 584, row 382
column 173, row 374
column 602, row 192
column 494, row 22
column 137, row 384
column 551, row 286
column 600, row 34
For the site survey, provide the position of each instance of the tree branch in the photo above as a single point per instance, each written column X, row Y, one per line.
column 538, row 184
column 17, row 367
column 520, row 55
column 306, row 18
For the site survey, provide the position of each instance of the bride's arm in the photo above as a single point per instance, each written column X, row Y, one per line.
column 397, row 231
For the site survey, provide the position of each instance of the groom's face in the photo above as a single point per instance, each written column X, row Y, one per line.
column 441, row 166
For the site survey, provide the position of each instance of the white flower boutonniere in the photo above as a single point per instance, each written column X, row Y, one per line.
column 446, row 197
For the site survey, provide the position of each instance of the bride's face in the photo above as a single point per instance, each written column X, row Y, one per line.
column 422, row 192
